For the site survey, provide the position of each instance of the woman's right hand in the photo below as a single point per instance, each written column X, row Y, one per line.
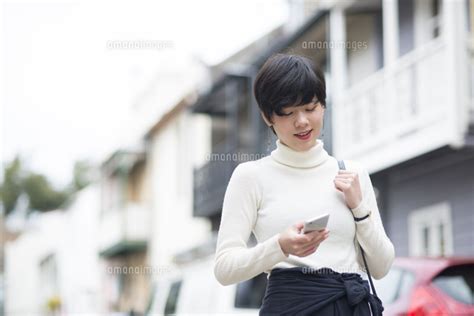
column 301, row 245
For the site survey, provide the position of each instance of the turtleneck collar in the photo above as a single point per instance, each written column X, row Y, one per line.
column 313, row 157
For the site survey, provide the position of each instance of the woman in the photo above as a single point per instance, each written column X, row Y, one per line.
column 317, row 273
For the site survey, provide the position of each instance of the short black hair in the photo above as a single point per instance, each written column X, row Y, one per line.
column 288, row 80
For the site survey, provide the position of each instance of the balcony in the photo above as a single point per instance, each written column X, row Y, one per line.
column 400, row 112
column 210, row 181
column 124, row 230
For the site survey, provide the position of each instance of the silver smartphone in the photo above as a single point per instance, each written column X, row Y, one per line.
column 318, row 223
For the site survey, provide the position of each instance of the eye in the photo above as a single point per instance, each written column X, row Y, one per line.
column 311, row 110
column 286, row 114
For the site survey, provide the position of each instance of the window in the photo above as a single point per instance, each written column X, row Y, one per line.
column 435, row 18
column 406, row 23
column 427, row 20
column 430, row 231
column 172, row 300
column 397, row 283
column 458, row 283
column 406, row 283
column 387, row 287
column 49, row 277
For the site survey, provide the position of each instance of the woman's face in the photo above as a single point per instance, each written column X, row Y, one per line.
column 299, row 120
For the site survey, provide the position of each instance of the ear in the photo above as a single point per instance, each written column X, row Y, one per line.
column 265, row 119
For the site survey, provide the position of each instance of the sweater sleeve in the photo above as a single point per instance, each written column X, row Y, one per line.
column 378, row 249
column 234, row 261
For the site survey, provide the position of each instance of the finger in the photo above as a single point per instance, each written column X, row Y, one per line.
column 316, row 240
column 347, row 172
column 344, row 178
column 345, row 182
column 299, row 226
column 348, row 175
column 308, row 250
column 301, row 239
column 341, row 185
column 306, row 239
column 321, row 237
column 318, row 233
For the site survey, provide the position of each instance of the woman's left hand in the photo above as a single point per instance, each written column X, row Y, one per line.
column 347, row 182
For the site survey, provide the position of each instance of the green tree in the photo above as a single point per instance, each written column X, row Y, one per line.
column 42, row 196
column 11, row 187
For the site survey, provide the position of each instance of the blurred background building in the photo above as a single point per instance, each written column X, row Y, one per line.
column 141, row 239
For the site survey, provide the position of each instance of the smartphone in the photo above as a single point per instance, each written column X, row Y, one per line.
column 318, row 223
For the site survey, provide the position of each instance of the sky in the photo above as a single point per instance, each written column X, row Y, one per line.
column 66, row 95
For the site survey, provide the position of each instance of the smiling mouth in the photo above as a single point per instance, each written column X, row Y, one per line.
column 304, row 133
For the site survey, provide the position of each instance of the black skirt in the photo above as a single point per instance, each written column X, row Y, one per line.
column 305, row 291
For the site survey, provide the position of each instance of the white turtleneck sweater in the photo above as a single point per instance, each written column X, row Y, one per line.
column 268, row 195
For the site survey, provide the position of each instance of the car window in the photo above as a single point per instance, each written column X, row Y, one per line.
column 387, row 287
column 172, row 300
column 457, row 282
column 249, row 294
column 397, row 283
column 406, row 283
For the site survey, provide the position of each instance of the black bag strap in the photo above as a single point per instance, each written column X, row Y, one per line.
column 342, row 166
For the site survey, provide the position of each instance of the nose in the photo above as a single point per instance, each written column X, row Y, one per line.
column 300, row 120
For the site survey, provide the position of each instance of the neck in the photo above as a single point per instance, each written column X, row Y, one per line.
column 310, row 158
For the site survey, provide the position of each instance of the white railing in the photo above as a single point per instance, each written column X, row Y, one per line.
column 406, row 101
column 130, row 224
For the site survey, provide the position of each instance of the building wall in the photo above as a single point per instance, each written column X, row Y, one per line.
column 68, row 236
column 453, row 184
column 21, row 276
column 136, row 282
column 174, row 227
column 81, row 269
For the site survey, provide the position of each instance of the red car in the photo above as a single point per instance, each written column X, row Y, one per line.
column 428, row 286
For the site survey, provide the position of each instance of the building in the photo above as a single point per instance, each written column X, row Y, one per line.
column 400, row 101
column 124, row 230
column 147, row 186
column 53, row 265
